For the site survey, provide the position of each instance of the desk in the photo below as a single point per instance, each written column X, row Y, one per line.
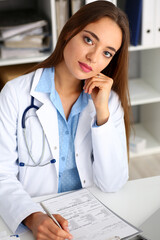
column 135, row 202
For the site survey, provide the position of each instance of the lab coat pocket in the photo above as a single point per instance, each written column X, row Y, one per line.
column 38, row 175
column 40, row 181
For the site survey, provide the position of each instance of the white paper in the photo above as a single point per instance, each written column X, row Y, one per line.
column 88, row 218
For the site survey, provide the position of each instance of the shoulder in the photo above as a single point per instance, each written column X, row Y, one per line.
column 19, row 83
column 15, row 90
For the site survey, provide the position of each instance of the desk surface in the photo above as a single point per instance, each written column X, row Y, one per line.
column 135, row 202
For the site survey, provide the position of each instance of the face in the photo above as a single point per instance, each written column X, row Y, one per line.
column 92, row 49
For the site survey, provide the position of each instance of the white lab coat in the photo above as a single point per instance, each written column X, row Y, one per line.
column 101, row 154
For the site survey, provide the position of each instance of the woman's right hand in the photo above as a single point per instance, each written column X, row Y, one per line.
column 44, row 228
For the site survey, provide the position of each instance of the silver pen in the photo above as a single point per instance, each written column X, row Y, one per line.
column 50, row 215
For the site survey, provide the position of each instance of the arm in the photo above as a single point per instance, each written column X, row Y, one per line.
column 16, row 205
column 110, row 166
column 12, row 193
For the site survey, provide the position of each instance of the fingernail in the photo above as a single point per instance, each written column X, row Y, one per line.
column 66, row 229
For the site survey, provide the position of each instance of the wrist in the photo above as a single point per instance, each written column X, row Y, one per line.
column 102, row 117
column 28, row 221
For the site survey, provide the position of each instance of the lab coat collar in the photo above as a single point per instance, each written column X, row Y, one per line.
column 40, row 96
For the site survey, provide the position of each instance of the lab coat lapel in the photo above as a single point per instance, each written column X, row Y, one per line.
column 40, row 96
column 47, row 115
column 85, row 122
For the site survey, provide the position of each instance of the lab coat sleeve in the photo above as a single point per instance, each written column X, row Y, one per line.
column 15, row 203
column 110, row 165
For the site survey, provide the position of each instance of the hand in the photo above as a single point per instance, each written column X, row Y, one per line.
column 99, row 87
column 44, row 228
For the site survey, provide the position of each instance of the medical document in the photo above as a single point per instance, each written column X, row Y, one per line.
column 88, row 218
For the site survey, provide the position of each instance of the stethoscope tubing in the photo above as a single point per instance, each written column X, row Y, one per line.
column 22, row 164
column 42, row 154
column 26, row 110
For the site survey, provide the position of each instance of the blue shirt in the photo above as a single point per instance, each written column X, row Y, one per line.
column 68, row 173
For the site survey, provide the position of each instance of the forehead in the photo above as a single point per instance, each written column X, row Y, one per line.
column 108, row 32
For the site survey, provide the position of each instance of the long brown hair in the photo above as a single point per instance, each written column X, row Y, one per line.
column 118, row 67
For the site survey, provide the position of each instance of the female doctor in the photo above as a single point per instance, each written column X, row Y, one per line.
column 65, row 125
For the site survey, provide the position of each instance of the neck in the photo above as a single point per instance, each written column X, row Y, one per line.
column 65, row 83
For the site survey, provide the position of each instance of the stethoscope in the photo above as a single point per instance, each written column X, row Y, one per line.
column 35, row 164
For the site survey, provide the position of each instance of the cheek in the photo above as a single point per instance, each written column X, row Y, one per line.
column 70, row 50
column 74, row 51
column 67, row 52
column 103, row 63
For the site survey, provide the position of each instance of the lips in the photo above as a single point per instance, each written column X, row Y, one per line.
column 85, row 67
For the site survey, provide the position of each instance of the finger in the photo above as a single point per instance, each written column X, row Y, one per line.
column 62, row 233
column 96, row 77
column 102, row 79
column 49, row 230
column 100, row 75
column 94, row 85
column 48, row 237
column 98, row 84
column 58, row 232
column 63, row 222
column 44, row 232
column 88, row 84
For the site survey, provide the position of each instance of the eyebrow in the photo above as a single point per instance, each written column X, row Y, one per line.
column 97, row 38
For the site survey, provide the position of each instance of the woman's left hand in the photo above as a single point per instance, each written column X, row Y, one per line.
column 99, row 87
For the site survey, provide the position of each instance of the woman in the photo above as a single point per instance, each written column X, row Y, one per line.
column 74, row 133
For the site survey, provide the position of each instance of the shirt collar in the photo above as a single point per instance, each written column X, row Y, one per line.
column 46, row 84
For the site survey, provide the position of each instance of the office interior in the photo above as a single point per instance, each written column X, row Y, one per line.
column 143, row 65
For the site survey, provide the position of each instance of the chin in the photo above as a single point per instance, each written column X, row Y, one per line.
column 83, row 76
column 79, row 76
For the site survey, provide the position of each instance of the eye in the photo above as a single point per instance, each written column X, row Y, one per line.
column 107, row 54
column 88, row 40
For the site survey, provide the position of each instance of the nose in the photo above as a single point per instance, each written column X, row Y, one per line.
column 92, row 56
